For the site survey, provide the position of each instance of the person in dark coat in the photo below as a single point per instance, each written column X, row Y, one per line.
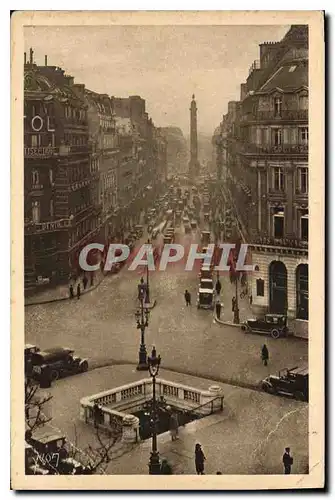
column 218, row 309
column 218, row 287
column 78, row 291
column 165, row 467
column 85, row 281
column 265, row 355
column 199, row 459
column 187, row 296
column 71, row 291
column 287, row 461
column 92, row 279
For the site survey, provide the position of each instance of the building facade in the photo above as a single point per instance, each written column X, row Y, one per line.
column 264, row 140
column 60, row 218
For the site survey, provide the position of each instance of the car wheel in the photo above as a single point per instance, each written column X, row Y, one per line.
column 54, row 375
column 300, row 396
column 275, row 333
column 267, row 388
column 84, row 366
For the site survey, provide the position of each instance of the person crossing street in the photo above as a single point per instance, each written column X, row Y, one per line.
column 187, row 296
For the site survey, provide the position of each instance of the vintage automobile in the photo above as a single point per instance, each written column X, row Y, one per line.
column 29, row 351
column 289, row 382
column 272, row 324
column 205, row 237
column 139, row 230
column 53, row 455
column 193, row 224
column 206, row 216
column 187, row 228
column 206, row 294
column 206, row 272
column 58, row 361
column 167, row 240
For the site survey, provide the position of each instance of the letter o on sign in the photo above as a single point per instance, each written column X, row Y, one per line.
column 33, row 123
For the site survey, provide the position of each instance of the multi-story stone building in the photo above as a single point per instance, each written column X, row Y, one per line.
column 59, row 215
column 265, row 139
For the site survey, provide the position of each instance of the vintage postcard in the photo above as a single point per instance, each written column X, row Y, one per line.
column 167, row 250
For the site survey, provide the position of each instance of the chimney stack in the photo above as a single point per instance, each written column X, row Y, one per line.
column 31, row 56
column 45, row 60
column 25, row 58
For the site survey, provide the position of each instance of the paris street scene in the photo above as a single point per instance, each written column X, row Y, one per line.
column 188, row 145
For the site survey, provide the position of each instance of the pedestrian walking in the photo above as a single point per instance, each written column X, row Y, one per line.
column 218, row 287
column 218, row 309
column 78, row 291
column 265, row 355
column 92, row 279
column 71, row 291
column 250, row 299
column 187, row 296
column 199, row 459
column 174, row 424
column 85, row 281
column 165, row 467
column 287, row 461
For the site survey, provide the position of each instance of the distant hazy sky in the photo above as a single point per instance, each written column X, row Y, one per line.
column 163, row 64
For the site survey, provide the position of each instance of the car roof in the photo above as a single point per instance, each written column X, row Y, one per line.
column 299, row 370
column 58, row 350
column 48, row 438
column 30, row 346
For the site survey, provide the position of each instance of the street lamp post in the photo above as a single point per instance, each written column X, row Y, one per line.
column 142, row 317
column 236, row 310
column 154, row 363
column 147, row 295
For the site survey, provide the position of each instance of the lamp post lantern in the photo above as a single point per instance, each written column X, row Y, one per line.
column 142, row 318
column 154, row 362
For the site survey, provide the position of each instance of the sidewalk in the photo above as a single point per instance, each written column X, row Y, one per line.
column 62, row 292
column 245, row 309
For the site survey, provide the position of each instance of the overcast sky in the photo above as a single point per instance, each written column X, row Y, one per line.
column 163, row 64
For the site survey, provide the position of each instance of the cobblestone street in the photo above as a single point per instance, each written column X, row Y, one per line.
column 101, row 326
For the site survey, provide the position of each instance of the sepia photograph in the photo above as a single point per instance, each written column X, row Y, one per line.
column 167, row 250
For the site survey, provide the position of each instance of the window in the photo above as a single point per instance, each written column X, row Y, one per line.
column 260, row 288
column 278, row 106
column 278, row 179
column 303, row 102
column 304, row 225
column 277, row 137
column 35, row 177
column 303, row 180
column 51, row 208
column 36, row 215
column 278, row 223
column 302, row 291
column 51, row 176
column 303, row 135
column 34, row 141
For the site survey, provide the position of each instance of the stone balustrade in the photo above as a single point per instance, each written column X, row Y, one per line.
column 115, row 403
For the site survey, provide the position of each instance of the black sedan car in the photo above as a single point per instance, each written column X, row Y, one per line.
column 58, row 362
column 272, row 324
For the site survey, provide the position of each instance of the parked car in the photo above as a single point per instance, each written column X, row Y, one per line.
column 206, row 294
column 193, row 224
column 205, row 237
column 58, row 361
column 272, row 324
column 206, row 272
column 290, row 382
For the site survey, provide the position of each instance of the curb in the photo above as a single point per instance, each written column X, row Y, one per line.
column 239, row 325
column 61, row 299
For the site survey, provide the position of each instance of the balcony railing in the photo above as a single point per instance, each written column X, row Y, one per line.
column 280, row 242
column 274, row 149
column 286, row 114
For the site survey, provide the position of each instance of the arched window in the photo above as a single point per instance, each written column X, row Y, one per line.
column 302, row 291
column 278, row 287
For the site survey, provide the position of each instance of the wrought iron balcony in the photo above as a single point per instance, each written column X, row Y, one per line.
column 274, row 149
column 285, row 114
